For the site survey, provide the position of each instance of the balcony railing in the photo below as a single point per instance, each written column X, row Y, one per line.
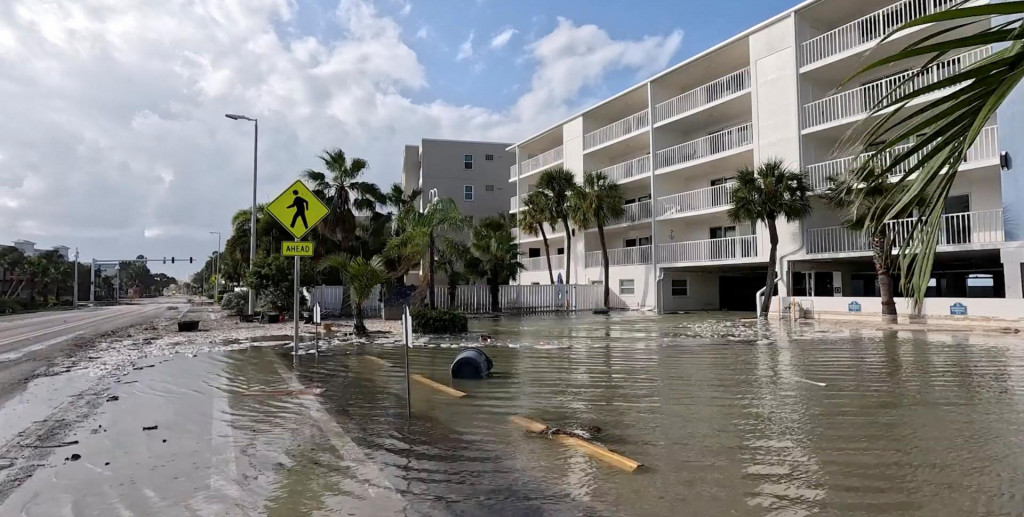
column 701, row 96
column 514, row 205
column 696, row 200
column 635, row 213
column 717, row 143
column 868, row 29
column 549, row 230
column 637, row 256
column 541, row 263
column 541, row 161
column 983, row 227
column 513, row 172
column 860, row 101
column 631, row 169
column 615, row 130
column 711, row 250
column 986, row 147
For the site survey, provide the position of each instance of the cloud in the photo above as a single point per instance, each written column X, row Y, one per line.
column 502, row 38
column 423, row 32
column 466, row 48
column 406, row 8
column 112, row 130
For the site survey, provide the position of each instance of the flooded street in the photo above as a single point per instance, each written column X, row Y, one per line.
column 728, row 419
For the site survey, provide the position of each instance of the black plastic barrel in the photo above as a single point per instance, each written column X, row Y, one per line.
column 471, row 363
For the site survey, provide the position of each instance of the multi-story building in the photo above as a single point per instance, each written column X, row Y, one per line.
column 674, row 142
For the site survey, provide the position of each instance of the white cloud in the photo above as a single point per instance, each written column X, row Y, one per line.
column 466, row 48
column 423, row 32
column 406, row 8
column 112, row 130
column 502, row 38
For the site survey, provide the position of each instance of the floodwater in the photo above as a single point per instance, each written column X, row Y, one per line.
column 727, row 418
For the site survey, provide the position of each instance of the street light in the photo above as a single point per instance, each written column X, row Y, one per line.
column 252, row 219
column 216, row 288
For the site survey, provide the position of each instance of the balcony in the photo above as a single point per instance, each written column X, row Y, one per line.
column 711, row 250
column 513, row 173
column 636, row 256
column 625, row 171
column 695, row 201
column 856, row 103
column 963, row 229
column 985, row 148
column 514, row 205
column 868, row 29
column 635, row 213
column 703, row 96
column 550, row 231
column 541, row 161
column 541, row 263
column 702, row 148
column 616, row 130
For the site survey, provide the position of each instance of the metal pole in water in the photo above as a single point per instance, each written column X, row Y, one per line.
column 407, row 334
column 296, row 315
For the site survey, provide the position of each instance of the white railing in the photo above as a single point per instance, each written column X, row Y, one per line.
column 513, row 172
column 983, row 227
column 696, row 200
column 986, row 147
column 860, row 101
column 711, row 250
column 717, row 143
column 515, row 202
column 618, row 129
column 635, row 213
column 637, row 256
column 549, row 230
column 541, row 263
column 542, row 161
column 476, row 299
column 868, row 29
column 631, row 169
column 701, row 96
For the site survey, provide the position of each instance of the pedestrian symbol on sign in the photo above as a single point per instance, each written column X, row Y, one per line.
column 300, row 205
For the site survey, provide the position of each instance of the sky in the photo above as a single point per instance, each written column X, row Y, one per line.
column 112, row 134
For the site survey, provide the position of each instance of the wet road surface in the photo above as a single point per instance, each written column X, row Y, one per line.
column 728, row 419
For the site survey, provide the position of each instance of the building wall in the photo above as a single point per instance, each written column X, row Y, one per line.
column 645, row 288
column 703, row 292
column 441, row 168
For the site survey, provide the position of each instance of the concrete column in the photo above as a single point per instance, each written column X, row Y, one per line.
column 1013, row 271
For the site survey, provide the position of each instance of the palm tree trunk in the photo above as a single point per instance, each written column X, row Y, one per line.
column 359, row 327
column 769, row 283
column 547, row 253
column 607, row 266
column 453, row 289
column 430, row 272
column 882, row 254
column 495, row 293
column 568, row 250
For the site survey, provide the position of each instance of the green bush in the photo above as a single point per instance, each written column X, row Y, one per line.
column 438, row 321
column 10, row 306
column 236, row 303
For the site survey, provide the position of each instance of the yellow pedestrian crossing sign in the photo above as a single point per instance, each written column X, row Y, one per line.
column 297, row 209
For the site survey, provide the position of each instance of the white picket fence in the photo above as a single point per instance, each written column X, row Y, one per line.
column 334, row 301
column 476, row 299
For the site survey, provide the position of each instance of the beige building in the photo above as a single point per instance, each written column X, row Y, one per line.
column 674, row 141
column 474, row 174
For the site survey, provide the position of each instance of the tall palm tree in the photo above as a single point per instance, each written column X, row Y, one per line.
column 362, row 276
column 558, row 185
column 418, row 240
column 764, row 194
column 495, row 254
column 942, row 127
column 857, row 201
column 597, row 202
column 451, row 260
column 397, row 199
column 340, row 187
column 535, row 213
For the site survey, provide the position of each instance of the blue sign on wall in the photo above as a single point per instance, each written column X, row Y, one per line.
column 854, row 306
column 958, row 309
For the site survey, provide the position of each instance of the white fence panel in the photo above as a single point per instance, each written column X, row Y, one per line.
column 476, row 299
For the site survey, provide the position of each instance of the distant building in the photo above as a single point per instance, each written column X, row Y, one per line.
column 28, row 248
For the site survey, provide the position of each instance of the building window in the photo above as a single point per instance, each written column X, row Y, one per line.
column 467, row 161
column 467, row 193
column 626, row 286
column 680, row 287
column 489, row 157
column 489, row 188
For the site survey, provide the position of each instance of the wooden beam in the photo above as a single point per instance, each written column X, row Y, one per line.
column 437, row 386
column 593, row 449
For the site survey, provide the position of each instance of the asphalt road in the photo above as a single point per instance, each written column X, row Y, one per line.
column 29, row 342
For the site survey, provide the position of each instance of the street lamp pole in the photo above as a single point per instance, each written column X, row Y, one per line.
column 216, row 285
column 74, row 299
column 252, row 216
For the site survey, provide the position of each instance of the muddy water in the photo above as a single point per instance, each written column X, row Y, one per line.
column 728, row 420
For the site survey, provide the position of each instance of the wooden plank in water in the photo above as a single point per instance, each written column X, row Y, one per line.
column 595, row 450
column 437, row 386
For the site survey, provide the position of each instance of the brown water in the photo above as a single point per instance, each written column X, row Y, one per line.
column 728, row 420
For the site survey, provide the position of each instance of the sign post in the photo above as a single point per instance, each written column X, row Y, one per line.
column 316, row 329
column 407, row 335
column 298, row 210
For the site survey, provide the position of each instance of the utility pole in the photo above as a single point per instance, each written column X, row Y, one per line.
column 117, row 284
column 74, row 296
column 92, row 282
column 216, row 289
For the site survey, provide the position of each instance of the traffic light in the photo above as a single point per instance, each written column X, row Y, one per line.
column 172, row 260
column 165, row 260
column 190, row 260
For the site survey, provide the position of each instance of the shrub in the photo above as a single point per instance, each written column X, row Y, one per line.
column 438, row 321
column 236, row 303
column 10, row 306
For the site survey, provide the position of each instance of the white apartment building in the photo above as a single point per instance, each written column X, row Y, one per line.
column 674, row 141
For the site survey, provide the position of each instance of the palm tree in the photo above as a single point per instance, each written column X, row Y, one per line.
column 535, row 213
column 942, row 127
column 418, row 240
column 495, row 254
column 362, row 276
column 597, row 202
column 398, row 200
column 341, row 189
column 558, row 185
column 764, row 194
column 451, row 258
column 857, row 201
